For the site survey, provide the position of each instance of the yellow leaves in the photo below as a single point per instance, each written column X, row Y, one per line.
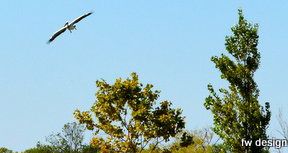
column 124, row 112
column 84, row 118
column 95, row 142
column 165, row 117
column 101, row 144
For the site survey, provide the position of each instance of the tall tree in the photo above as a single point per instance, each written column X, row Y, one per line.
column 126, row 118
column 237, row 112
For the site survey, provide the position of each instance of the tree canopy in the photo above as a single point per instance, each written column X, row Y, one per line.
column 126, row 116
column 70, row 140
column 237, row 113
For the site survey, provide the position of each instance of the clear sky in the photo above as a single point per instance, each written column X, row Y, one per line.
column 168, row 43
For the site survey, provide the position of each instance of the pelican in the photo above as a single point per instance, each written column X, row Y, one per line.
column 68, row 26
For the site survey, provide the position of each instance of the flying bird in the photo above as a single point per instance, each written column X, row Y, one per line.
column 68, row 26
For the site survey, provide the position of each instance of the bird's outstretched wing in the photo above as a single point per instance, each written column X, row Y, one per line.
column 80, row 18
column 56, row 34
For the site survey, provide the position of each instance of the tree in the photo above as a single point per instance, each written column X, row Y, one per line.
column 283, row 125
column 126, row 114
column 237, row 113
column 197, row 141
column 41, row 149
column 5, row 150
column 283, row 129
column 70, row 140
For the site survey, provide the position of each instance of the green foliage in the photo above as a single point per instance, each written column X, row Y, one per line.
column 70, row 140
column 186, row 140
column 5, row 150
column 198, row 141
column 238, row 114
column 89, row 149
column 201, row 143
column 41, row 149
column 125, row 112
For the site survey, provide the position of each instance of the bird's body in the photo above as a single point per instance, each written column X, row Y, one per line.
column 68, row 26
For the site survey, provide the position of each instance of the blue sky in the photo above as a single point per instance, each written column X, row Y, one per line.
column 168, row 43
